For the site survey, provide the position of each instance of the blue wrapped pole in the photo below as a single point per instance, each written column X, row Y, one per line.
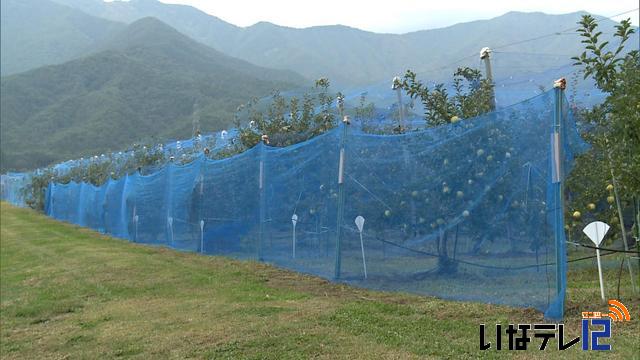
column 558, row 195
column 341, row 164
column 261, row 184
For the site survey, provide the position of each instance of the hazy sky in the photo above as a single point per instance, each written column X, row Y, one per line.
column 395, row 16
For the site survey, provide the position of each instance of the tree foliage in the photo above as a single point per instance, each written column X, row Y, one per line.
column 612, row 128
column 472, row 96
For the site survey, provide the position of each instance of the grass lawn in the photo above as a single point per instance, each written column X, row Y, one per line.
column 68, row 292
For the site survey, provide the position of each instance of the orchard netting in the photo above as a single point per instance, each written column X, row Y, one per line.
column 464, row 211
column 11, row 188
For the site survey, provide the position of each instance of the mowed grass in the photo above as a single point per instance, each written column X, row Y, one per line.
column 68, row 292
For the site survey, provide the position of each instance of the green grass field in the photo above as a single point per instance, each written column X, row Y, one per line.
column 68, row 292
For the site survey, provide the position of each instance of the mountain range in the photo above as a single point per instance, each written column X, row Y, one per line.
column 148, row 81
column 353, row 57
column 81, row 77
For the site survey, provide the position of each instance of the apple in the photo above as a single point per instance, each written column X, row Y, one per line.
column 422, row 220
column 591, row 206
column 576, row 215
column 312, row 211
column 470, row 182
column 414, row 193
column 611, row 199
column 387, row 213
column 507, row 155
column 480, row 152
column 465, row 213
column 459, row 194
column 446, row 190
column 440, row 221
column 446, row 162
column 490, row 158
column 610, row 187
column 454, row 119
column 500, row 197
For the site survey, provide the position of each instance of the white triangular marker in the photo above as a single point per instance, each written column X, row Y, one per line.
column 294, row 221
column 596, row 231
column 360, row 222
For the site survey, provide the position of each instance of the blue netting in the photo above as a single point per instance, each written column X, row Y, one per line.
column 11, row 185
column 464, row 211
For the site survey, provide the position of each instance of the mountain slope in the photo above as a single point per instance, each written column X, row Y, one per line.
column 352, row 57
column 198, row 25
column 39, row 32
column 146, row 84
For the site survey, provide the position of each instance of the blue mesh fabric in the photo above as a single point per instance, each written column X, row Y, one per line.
column 464, row 211
column 11, row 185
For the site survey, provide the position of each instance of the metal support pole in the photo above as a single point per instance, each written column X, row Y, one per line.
column 398, row 88
column 202, row 236
column 200, row 204
column 623, row 231
column 261, row 180
column 485, row 54
column 558, row 187
column 341, row 164
column 170, row 223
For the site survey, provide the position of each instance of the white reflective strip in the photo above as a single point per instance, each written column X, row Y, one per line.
column 341, row 167
column 261, row 174
column 555, row 170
